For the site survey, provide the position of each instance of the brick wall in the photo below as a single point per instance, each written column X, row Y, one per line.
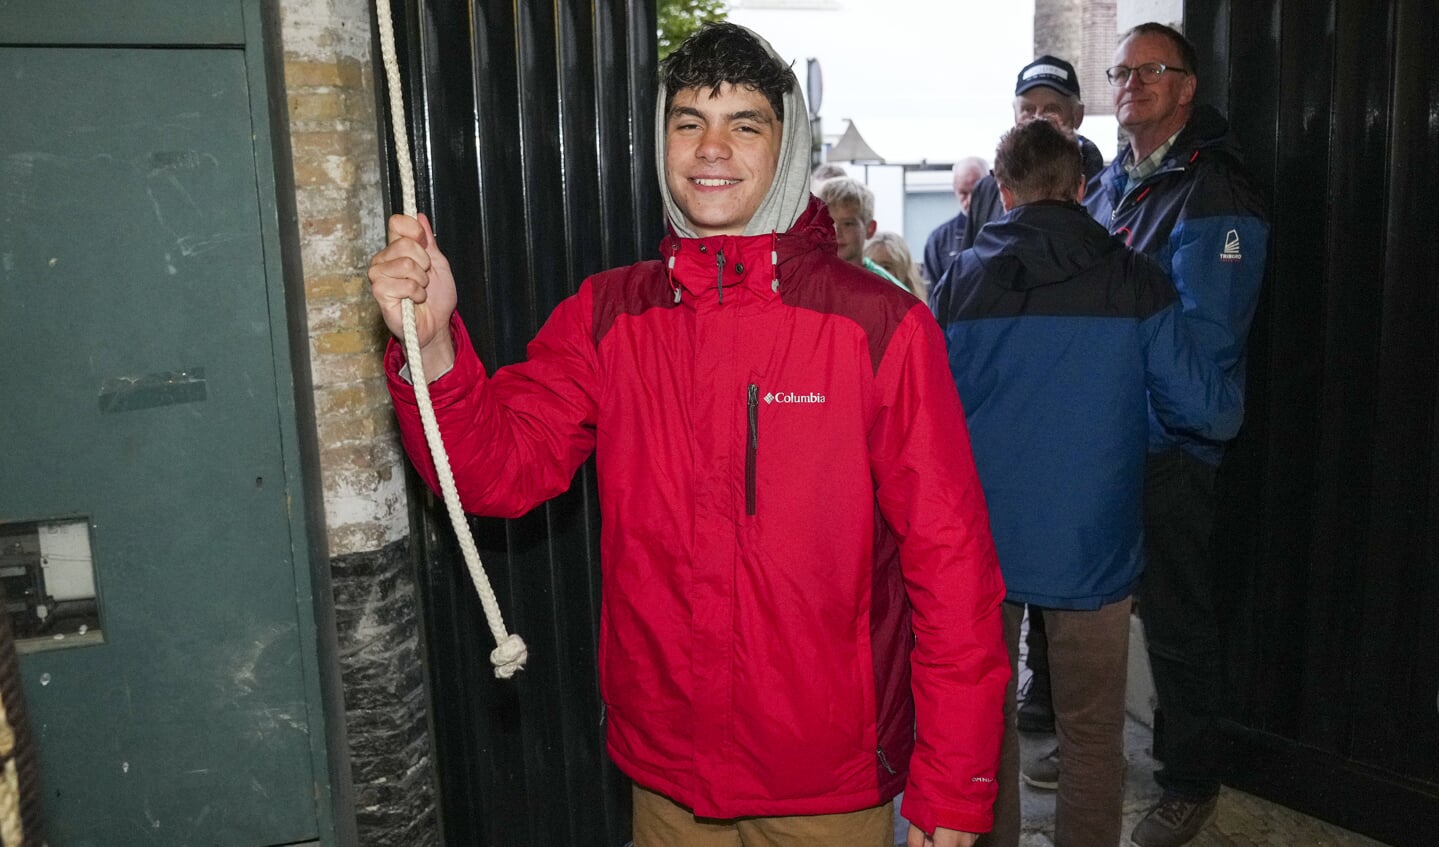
column 1100, row 37
column 330, row 88
column 1083, row 32
column 336, row 162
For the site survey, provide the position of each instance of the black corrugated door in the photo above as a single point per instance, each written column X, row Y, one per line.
column 1329, row 509
column 534, row 133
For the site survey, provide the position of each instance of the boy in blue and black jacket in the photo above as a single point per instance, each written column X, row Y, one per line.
column 1060, row 338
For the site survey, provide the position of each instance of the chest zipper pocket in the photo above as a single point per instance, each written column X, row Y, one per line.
column 751, row 452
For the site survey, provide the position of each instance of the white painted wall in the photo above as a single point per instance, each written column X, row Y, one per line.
column 1129, row 13
column 887, row 182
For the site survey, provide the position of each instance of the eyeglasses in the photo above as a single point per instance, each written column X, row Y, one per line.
column 1148, row 73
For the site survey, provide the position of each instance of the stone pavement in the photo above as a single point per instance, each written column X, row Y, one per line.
column 1243, row 819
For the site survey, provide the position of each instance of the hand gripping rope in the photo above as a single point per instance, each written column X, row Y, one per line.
column 509, row 654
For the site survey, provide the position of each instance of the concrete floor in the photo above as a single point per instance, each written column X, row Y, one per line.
column 1243, row 819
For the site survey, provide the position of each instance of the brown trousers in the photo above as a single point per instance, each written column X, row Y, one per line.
column 1088, row 662
column 661, row 822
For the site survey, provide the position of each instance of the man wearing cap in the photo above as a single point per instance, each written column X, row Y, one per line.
column 1047, row 89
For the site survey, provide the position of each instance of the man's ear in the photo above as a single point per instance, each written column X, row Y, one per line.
column 1006, row 197
column 1079, row 194
column 1186, row 93
column 1078, row 116
column 869, row 230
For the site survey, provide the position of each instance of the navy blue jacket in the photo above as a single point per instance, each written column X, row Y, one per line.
column 1200, row 216
column 1056, row 333
column 942, row 246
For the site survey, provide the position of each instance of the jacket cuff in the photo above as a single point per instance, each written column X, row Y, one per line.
column 927, row 816
column 446, row 388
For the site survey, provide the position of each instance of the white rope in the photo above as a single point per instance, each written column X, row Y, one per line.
column 509, row 654
column 12, row 825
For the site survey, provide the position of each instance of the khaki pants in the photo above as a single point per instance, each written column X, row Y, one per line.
column 661, row 822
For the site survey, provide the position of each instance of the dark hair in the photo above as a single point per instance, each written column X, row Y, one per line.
column 720, row 53
column 1187, row 55
column 1038, row 161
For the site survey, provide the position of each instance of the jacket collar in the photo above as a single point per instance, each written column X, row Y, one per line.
column 1206, row 131
column 752, row 262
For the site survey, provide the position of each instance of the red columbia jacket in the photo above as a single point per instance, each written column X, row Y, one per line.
column 793, row 533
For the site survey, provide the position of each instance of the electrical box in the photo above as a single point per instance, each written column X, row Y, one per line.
column 48, row 576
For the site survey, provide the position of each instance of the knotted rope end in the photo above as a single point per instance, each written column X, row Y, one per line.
column 509, row 657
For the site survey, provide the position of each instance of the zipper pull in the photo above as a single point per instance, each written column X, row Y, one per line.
column 754, row 411
column 879, row 751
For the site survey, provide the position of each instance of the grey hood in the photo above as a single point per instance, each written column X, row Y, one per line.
column 789, row 193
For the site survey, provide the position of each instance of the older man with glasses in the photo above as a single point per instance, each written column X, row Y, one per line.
column 1180, row 193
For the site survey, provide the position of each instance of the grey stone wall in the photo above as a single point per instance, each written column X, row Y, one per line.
column 1057, row 25
column 386, row 705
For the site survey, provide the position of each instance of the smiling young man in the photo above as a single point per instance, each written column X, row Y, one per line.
column 800, row 594
column 722, row 155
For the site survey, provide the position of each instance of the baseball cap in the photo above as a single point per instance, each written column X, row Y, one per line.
column 1051, row 71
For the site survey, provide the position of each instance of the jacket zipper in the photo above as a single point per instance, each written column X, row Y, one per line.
column 1130, row 189
column 751, row 453
column 719, row 265
column 882, row 760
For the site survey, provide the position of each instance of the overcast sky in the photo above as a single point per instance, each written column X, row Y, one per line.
column 922, row 79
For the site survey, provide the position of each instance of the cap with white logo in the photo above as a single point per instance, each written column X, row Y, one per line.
column 1049, row 71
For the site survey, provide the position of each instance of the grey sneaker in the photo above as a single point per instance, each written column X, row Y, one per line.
column 1173, row 822
column 1043, row 773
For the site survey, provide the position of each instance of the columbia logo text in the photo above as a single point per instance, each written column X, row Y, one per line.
column 791, row 397
column 1231, row 247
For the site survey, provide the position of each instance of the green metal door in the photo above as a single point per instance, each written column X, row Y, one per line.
column 147, row 399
